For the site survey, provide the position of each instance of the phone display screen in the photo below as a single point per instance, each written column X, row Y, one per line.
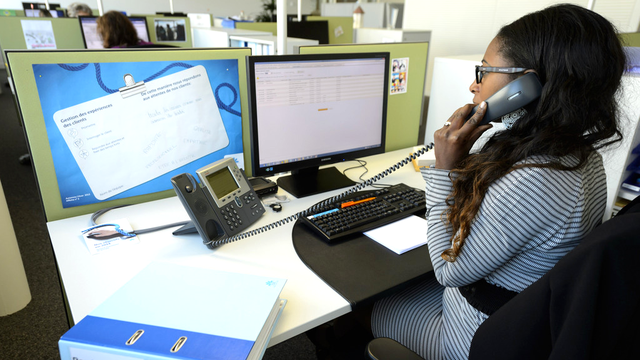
column 222, row 182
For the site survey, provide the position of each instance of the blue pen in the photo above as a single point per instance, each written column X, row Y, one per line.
column 322, row 213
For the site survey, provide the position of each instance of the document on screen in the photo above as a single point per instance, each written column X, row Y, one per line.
column 121, row 142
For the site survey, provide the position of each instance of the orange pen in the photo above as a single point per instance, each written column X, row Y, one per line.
column 351, row 203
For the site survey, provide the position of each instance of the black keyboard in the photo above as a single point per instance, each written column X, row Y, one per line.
column 370, row 209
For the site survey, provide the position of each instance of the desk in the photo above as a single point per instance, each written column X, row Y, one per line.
column 90, row 279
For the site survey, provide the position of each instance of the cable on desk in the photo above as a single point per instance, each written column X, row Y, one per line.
column 314, row 208
column 94, row 217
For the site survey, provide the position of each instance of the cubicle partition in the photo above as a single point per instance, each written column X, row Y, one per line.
column 340, row 28
column 61, row 135
column 630, row 39
column 258, row 26
column 405, row 103
column 14, row 32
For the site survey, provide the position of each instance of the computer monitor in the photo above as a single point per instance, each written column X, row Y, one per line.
column 32, row 9
column 314, row 30
column 99, row 137
column 92, row 40
column 175, row 14
column 36, row 13
column 313, row 110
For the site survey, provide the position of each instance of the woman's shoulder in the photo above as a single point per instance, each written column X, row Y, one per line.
column 533, row 169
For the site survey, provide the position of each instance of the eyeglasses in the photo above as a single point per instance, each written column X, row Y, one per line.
column 481, row 70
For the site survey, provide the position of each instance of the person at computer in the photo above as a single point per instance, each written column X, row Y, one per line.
column 500, row 218
column 78, row 9
column 117, row 31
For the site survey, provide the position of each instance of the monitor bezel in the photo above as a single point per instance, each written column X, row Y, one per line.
column 317, row 162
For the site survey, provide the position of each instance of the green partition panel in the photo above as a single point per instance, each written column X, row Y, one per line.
column 65, row 30
column 151, row 20
column 630, row 39
column 337, row 24
column 404, row 110
column 258, row 26
column 21, row 63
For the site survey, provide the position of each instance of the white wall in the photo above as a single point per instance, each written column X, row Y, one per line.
column 220, row 8
column 465, row 27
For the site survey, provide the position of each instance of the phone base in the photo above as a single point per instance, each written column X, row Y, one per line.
column 188, row 228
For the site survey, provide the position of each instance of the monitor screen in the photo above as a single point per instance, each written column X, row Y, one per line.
column 127, row 120
column 90, row 35
column 314, row 30
column 36, row 13
column 312, row 110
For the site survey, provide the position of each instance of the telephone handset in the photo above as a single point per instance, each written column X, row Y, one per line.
column 223, row 206
column 516, row 94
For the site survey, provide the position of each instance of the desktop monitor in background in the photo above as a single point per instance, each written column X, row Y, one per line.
column 140, row 23
column 36, row 13
column 176, row 14
column 313, row 110
column 170, row 30
column 102, row 142
column 33, row 9
column 92, row 40
column 314, row 30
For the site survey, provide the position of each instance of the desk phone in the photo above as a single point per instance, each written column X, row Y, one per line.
column 223, row 205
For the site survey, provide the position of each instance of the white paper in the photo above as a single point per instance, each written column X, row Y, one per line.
column 401, row 236
column 38, row 34
column 99, row 246
column 120, row 143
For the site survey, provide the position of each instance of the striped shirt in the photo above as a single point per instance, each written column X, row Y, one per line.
column 528, row 220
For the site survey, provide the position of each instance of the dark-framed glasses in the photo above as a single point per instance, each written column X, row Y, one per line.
column 481, row 70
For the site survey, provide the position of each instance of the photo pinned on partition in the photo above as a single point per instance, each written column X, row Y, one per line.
column 115, row 136
column 399, row 75
column 170, row 30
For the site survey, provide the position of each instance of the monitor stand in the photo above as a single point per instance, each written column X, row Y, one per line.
column 313, row 181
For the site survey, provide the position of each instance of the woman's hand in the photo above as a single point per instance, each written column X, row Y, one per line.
column 455, row 139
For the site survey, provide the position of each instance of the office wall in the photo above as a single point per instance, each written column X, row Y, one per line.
column 465, row 27
column 215, row 7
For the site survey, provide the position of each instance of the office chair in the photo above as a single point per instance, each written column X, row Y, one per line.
column 587, row 306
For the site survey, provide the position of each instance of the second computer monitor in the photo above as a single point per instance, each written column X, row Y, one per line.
column 312, row 110
column 92, row 40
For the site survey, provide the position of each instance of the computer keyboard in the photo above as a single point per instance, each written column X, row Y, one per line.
column 365, row 210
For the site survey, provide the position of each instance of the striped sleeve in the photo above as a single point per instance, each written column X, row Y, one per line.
column 523, row 209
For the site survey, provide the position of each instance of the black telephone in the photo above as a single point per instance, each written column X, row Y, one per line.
column 516, row 94
column 224, row 205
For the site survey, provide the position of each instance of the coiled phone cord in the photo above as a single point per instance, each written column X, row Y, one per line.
column 215, row 243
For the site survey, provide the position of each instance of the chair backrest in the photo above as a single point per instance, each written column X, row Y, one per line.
column 587, row 306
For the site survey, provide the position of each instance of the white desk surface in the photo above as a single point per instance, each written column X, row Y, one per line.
column 90, row 279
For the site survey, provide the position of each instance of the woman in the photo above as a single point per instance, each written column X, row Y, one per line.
column 501, row 218
column 117, row 31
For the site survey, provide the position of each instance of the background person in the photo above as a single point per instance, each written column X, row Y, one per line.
column 117, row 31
column 78, row 9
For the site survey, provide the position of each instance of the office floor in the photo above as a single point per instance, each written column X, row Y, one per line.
column 33, row 332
